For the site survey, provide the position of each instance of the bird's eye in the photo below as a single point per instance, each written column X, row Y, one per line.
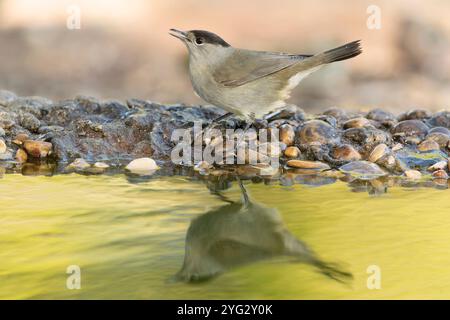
column 199, row 41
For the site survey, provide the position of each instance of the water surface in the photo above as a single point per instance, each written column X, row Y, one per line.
column 128, row 237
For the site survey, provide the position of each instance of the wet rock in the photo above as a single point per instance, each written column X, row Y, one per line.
column 418, row 160
column 397, row 147
column 3, row 147
column 438, row 166
column 413, row 174
column 29, row 121
column 337, row 113
column 381, row 116
column 363, row 170
column 287, row 134
column 440, row 119
column 202, row 166
column 346, row 153
column 101, row 165
column 20, row 138
column 142, row 166
column 21, row 156
column 303, row 164
column 440, row 138
column 316, row 131
column 416, row 114
column 289, row 112
column 6, row 97
column 410, row 128
column 6, row 156
column 366, row 138
column 378, row 152
column 428, row 145
column 292, row 152
column 37, row 106
column 37, row 149
column 50, row 129
column 356, row 123
column 78, row 164
column 440, row 130
column 440, row 174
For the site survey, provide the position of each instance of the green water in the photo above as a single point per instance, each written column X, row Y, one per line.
column 128, row 238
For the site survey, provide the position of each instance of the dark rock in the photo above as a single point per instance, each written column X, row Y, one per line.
column 440, row 119
column 29, row 121
column 381, row 116
column 316, row 131
column 416, row 114
column 410, row 128
column 367, row 138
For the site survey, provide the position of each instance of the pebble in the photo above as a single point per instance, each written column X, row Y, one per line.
column 142, row 166
column 356, row 123
column 380, row 115
column 20, row 138
column 416, row 114
column 378, row 152
column 316, row 131
column 440, row 138
column 408, row 128
column 202, row 166
column 438, row 166
column 363, row 170
column 292, row 152
column 428, row 145
column 440, row 119
column 304, row 164
column 346, row 152
column 287, row 134
column 37, row 149
column 101, row 165
column 2, row 146
column 413, row 174
column 2, row 132
column 21, row 156
column 440, row 174
column 79, row 164
column 397, row 146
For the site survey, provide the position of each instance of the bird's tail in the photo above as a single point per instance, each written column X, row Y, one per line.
column 344, row 52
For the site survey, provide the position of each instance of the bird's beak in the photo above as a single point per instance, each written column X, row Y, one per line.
column 182, row 35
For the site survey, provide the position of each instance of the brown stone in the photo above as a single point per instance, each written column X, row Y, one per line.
column 21, row 156
column 292, row 152
column 2, row 146
column 356, row 123
column 37, row 149
column 428, row 145
column 303, row 164
column 346, row 152
column 287, row 134
column 440, row 174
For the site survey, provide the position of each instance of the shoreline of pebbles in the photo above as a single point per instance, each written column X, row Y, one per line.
column 39, row 136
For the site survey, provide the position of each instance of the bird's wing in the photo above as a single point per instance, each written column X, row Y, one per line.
column 244, row 66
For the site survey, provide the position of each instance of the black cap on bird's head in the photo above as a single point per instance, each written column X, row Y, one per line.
column 199, row 37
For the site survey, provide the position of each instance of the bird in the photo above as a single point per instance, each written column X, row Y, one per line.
column 247, row 83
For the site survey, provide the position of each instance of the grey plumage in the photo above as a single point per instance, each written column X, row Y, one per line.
column 250, row 83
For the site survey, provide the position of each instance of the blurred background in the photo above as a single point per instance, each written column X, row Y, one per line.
column 123, row 50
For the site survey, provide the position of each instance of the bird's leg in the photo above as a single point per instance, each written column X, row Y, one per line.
column 222, row 117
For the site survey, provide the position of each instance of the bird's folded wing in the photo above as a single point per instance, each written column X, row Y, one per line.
column 244, row 66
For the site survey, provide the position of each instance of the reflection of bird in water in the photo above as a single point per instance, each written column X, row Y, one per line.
column 239, row 233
